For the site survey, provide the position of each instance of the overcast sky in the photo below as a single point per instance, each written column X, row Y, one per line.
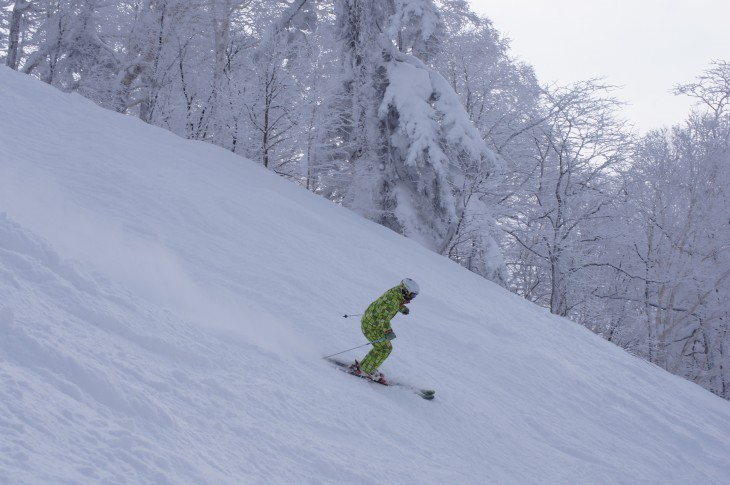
column 645, row 46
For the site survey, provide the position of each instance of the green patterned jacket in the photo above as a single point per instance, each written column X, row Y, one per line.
column 382, row 310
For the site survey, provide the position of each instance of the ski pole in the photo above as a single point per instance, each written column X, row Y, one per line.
column 363, row 345
column 353, row 315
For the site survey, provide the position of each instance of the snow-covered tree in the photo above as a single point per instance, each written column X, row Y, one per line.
column 502, row 99
column 71, row 49
column 139, row 64
column 408, row 141
column 682, row 196
column 279, row 73
column 560, row 211
column 661, row 298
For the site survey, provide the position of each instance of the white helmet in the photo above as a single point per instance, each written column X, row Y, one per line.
column 410, row 286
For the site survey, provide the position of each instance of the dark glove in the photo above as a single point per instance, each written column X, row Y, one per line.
column 389, row 334
column 404, row 310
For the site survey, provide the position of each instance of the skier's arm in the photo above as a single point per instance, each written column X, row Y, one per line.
column 385, row 308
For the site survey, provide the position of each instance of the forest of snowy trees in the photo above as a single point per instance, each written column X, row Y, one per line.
column 413, row 114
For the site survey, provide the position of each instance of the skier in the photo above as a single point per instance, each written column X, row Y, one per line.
column 376, row 327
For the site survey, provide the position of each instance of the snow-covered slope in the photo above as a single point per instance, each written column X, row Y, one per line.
column 164, row 307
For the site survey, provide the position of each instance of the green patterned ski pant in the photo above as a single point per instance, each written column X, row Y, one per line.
column 380, row 350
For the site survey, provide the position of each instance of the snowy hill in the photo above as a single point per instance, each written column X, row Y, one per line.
column 164, row 306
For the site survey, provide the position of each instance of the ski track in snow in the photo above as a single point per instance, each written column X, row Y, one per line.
column 164, row 306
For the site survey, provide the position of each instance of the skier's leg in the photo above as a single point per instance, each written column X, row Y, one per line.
column 380, row 350
column 376, row 356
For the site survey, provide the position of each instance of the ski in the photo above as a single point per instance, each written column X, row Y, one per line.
column 427, row 394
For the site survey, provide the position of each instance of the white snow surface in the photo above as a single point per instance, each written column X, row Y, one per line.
column 165, row 306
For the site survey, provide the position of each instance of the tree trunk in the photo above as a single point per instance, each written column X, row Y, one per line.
column 14, row 37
